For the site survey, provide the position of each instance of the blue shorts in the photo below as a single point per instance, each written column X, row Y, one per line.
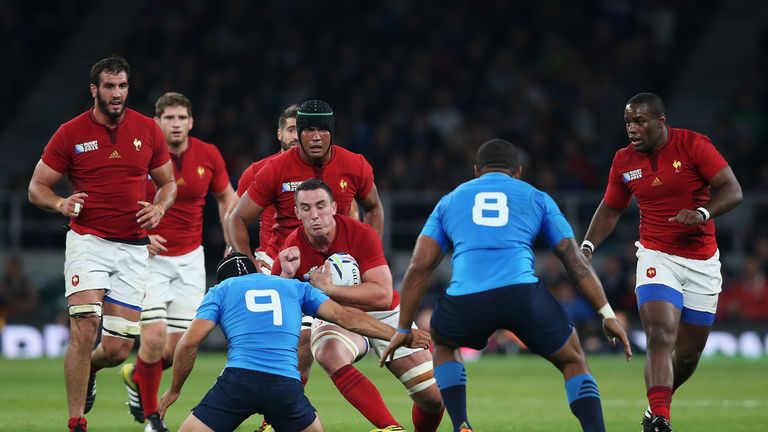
column 240, row 393
column 527, row 310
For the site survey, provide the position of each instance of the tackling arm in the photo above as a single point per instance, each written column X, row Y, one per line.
column 426, row 257
column 374, row 293
column 184, row 359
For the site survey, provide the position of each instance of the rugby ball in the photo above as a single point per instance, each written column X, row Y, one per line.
column 344, row 269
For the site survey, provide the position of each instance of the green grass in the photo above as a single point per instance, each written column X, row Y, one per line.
column 522, row 393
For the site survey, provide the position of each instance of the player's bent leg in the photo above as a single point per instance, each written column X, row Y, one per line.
column 316, row 426
column 335, row 349
column 416, row 373
column 690, row 343
column 451, row 378
column 193, row 424
column 305, row 353
column 580, row 386
column 85, row 312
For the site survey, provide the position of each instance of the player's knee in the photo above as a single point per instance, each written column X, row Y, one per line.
column 333, row 350
column 660, row 335
column 117, row 350
column 153, row 338
column 84, row 332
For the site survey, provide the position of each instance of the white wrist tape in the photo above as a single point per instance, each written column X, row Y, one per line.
column 586, row 244
column 606, row 312
column 704, row 213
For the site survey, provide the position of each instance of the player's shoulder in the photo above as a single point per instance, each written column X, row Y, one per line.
column 344, row 155
column 133, row 117
column 259, row 164
column 687, row 137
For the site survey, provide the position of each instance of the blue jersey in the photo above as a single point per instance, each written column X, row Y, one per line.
column 491, row 223
column 261, row 317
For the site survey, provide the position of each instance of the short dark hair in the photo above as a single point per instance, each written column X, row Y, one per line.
column 312, row 184
column 234, row 264
column 172, row 99
column 497, row 153
column 287, row 113
column 651, row 100
column 112, row 65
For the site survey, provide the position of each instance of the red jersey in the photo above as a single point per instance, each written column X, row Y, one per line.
column 112, row 166
column 348, row 174
column 197, row 170
column 673, row 178
column 268, row 215
column 352, row 236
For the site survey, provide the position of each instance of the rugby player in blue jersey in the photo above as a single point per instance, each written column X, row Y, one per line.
column 491, row 223
column 260, row 315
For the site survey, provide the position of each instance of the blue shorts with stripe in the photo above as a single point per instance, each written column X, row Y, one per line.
column 528, row 310
column 239, row 393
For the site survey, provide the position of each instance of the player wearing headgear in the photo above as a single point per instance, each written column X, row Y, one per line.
column 261, row 317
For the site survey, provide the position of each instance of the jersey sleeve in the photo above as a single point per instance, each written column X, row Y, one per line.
column 261, row 188
column 58, row 153
column 220, row 179
column 311, row 298
column 366, row 178
column 706, row 158
column 554, row 226
column 245, row 180
column 210, row 307
column 617, row 194
column 433, row 228
column 160, row 153
column 369, row 252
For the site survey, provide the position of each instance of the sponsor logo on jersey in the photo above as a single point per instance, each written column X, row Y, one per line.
column 200, row 171
column 656, row 182
column 75, row 280
column 86, row 146
column 677, row 164
column 291, row 186
column 115, row 155
column 651, row 272
column 632, row 175
column 137, row 144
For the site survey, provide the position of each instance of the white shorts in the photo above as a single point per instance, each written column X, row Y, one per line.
column 377, row 345
column 94, row 263
column 175, row 287
column 699, row 281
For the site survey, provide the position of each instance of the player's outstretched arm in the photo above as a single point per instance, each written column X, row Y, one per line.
column 602, row 225
column 184, row 360
column 581, row 272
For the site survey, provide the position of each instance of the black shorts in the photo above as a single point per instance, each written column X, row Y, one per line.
column 527, row 310
column 240, row 393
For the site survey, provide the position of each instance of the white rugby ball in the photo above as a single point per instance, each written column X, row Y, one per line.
column 344, row 269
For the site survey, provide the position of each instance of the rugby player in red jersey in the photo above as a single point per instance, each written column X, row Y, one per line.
column 108, row 152
column 323, row 232
column 176, row 282
column 670, row 171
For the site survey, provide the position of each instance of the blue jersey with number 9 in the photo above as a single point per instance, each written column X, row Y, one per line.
column 491, row 223
column 261, row 317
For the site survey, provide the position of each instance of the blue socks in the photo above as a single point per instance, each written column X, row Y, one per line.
column 584, row 399
column 452, row 380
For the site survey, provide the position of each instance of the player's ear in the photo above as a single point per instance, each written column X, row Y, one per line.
column 477, row 171
column 94, row 90
column 334, row 207
column 518, row 172
column 157, row 120
column 296, row 211
column 191, row 122
column 662, row 119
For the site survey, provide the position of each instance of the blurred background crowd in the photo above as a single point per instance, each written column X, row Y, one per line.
column 416, row 86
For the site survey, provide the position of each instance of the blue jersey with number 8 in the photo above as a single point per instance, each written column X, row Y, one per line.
column 491, row 223
column 261, row 317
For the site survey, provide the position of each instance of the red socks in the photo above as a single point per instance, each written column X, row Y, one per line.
column 425, row 421
column 660, row 398
column 74, row 421
column 147, row 376
column 363, row 395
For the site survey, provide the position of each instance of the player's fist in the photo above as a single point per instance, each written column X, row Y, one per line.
column 72, row 205
column 290, row 259
column 687, row 217
column 321, row 278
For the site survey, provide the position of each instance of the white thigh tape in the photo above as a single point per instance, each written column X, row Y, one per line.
column 416, row 371
column 119, row 327
column 84, row 310
column 421, row 386
column 332, row 334
column 153, row 314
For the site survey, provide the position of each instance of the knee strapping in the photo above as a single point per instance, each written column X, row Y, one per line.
column 120, row 327
column 416, row 378
column 154, row 314
column 87, row 310
column 327, row 335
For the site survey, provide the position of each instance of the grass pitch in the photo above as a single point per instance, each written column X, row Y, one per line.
column 506, row 393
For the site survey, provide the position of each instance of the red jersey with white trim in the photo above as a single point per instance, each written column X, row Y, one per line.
column 673, row 178
column 348, row 174
column 268, row 215
column 352, row 236
column 111, row 165
column 199, row 169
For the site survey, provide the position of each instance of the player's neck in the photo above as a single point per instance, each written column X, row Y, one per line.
column 106, row 120
column 179, row 149
column 322, row 243
column 316, row 161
